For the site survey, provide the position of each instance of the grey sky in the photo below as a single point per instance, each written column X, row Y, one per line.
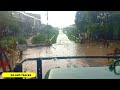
column 57, row 18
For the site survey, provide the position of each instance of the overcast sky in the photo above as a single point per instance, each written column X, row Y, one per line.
column 57, row 18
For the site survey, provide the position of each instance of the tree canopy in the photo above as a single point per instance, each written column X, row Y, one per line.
column 14, row 23
column 92, row 21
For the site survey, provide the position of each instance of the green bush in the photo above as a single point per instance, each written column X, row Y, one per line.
column 21, row 39
column 40, row 38
column 71, row 31
column 5, row 41
column 53, row 32
column 44, row 33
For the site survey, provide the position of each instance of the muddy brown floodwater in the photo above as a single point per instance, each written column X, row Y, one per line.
column 65, row 47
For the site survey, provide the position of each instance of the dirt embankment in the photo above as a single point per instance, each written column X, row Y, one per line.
column 98, row 49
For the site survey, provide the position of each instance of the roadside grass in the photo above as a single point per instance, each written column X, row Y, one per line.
column 42, row 37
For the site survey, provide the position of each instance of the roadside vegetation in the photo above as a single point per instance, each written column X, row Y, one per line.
column 10, row 41
column 71, row 32
column 99, row 24
column 16, row 26
column 47, row 35
column 95, row 26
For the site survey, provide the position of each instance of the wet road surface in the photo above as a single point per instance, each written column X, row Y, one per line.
column 63, row 47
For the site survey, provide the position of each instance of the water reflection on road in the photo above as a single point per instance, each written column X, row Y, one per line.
column 63, row 47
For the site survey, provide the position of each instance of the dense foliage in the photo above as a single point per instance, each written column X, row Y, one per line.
column 45, row 35
column 15, row 23
column 71, row 32
column 16, row 26
column 99, row 22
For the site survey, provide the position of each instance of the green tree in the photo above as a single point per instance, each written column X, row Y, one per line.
column 104, row 21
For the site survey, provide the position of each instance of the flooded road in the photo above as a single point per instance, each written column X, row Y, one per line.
column 63, row 47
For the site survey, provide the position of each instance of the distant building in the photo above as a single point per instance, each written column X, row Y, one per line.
column 22, row 16
column 35, row 15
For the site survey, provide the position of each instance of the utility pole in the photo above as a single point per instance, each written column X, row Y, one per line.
column 47, row 17
column 48, row 29
column 48, row 35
